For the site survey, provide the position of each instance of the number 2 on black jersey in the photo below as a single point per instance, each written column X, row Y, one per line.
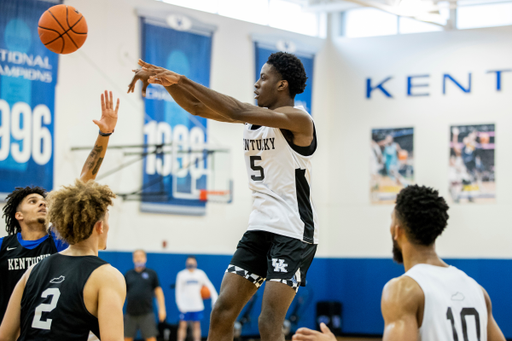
column 45, row 308
column 464, row 312
column 257, row 168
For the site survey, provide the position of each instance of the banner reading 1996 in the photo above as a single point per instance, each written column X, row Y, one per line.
column 263, row 52
column 174, row 175
column 28, row 75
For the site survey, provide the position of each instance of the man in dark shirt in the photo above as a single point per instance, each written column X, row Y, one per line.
column 142, row 285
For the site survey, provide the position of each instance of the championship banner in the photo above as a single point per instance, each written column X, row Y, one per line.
column 175, row 168
column 264, row 50
column 28, row 75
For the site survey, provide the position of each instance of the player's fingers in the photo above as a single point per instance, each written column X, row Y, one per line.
column 117, row 105
column 108, row 105
column 96, row 122
column 111, row 100
column 144, row 87
column 304, row 331
column 144, row 64
column 301, row 337
column 102, row 102
column 324, row 328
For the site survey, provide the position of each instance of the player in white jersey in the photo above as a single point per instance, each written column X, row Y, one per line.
column 279, row 141
column 432, row 301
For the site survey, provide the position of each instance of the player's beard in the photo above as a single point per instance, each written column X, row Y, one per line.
column 397, row 253
column 41, row 220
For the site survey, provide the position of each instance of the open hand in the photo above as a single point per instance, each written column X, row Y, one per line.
column 108, row 120
column 305, row 334
column 143, row 76
column 152, row 74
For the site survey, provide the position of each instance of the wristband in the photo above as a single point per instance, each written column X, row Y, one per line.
column 105, row 134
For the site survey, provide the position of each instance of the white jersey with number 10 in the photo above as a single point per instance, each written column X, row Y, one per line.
column 280, row 176
column 455, row 308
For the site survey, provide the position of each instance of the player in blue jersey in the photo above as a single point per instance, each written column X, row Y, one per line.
column 29, row 240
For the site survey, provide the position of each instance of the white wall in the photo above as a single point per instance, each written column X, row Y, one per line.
column 105, row 62
column 475, row 230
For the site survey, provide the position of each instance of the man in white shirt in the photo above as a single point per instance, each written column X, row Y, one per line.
column 188, row 298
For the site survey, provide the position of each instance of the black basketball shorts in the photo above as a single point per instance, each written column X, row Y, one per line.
column 262, row 255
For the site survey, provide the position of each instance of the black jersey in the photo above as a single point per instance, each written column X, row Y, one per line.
column 15, row 260
column 52, row 306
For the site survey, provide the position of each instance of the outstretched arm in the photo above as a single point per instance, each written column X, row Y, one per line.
column 183, row 98
column 401, row 299
column 106, row 124
column 294, row 120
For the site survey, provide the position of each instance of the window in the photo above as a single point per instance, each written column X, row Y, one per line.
column 473, row 16
column 289, row 16
column 369, row 22
column 409, row 25
column 201, row 5
column 282, row 14
column 255, row 11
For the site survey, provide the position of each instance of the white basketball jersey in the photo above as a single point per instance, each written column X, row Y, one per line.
column 280, row 179
column 455, row 308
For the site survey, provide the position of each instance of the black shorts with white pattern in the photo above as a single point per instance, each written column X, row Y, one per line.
column 262, row 255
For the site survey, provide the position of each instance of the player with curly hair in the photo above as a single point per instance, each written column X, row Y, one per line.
column 28, row 239
column 69, row 294
column 432, row 300
column 279, row 141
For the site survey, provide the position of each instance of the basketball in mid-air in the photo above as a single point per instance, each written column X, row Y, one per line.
column 62, row 29
column 205, row 292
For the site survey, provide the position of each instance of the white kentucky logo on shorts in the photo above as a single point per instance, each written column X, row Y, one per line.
column 279, row 265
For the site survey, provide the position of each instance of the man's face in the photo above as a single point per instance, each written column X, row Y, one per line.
column 397, row 251
column 32, row 209
column 266, row 87
column 191, row 264
column 139, row 258
column 104, row 236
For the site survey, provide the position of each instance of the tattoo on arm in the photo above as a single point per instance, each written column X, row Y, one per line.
column 97, row 167
column 93, row 156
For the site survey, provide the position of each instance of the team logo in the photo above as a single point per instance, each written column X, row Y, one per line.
column 279, row 265
column 145, row 275
column 458, row 297
column 58, row 280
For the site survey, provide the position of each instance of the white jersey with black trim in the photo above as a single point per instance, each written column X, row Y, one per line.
column 280, row 176
column 455, row 306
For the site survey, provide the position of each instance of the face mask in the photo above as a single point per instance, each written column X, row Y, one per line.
column 140, row 264
column 191, row 266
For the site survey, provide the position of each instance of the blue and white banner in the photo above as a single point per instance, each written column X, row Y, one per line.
column 28, row 75
column 174, row 175
column 264, row 50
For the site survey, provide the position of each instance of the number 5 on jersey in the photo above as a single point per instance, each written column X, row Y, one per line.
column 45, row 308
column 259, row 169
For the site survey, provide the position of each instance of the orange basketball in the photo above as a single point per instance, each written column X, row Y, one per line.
column 205, row 292
column 62, row 29
column 403, row 155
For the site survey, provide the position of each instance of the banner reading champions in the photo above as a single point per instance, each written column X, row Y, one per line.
column 28, row 75
column 263, row 51
column 175, row 174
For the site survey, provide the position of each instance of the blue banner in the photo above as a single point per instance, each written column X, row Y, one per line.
column 304, row 99
column 175, row 171
column 28, row 75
